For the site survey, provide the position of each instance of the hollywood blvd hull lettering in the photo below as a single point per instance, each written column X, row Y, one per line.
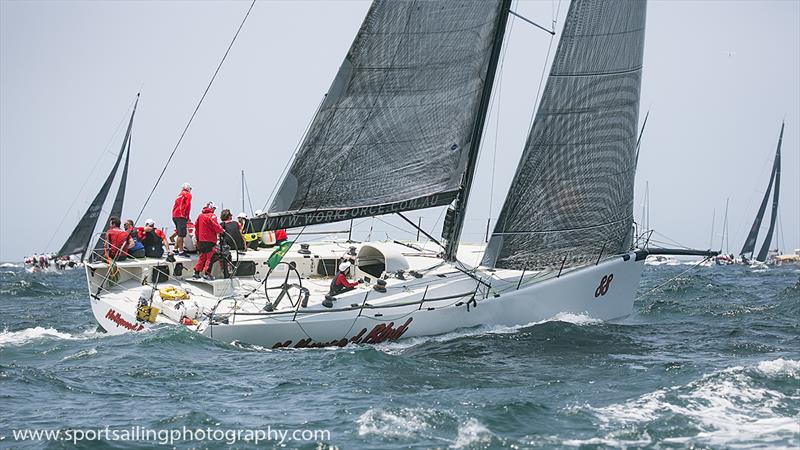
column 380, row 333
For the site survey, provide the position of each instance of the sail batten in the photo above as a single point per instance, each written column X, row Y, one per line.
column 571, row 199
column 394, row 132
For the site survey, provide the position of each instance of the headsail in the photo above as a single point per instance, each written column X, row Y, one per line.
column 750, row 243
column 79, row 240
column 571, row 199
column 776, row 176
column 116, row 207
column 394, row 132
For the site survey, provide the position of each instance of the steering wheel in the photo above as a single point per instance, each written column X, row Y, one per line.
column 295, row 291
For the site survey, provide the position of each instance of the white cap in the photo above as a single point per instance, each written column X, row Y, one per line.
column 186, row 186
column 259, row 212
column 344, row 266
column 242, row 215
column 149, row 223
column 211, row 205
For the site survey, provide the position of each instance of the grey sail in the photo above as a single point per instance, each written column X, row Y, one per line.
column 776, row 176
column 394, row 132
column 750, row 243
column 80, row 238
column 571, row 200
column 116, row 207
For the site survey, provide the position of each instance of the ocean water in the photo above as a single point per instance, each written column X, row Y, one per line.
column 710, row 360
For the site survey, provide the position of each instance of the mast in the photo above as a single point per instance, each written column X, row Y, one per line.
column 243, row 190
column 776, row 174
column 713, row 219
column 724, row 239
column 460, row 207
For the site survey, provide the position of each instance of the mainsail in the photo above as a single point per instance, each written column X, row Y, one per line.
column 79, row 240
column 571, row 200
column 395, row 131
column 776, row 179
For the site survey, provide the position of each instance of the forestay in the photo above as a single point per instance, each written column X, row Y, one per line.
column 393, row 133
column 571, row 199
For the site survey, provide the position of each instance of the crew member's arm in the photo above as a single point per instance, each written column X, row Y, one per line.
column 344, row 282
column 163, row 237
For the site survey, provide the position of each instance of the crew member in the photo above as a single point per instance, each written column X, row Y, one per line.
column 153, row 239
column 340, row 284
column 180, row 215
column 280, row 236
column 136, row 249
column 117, row 241
column 233, row 231
column 207, row 230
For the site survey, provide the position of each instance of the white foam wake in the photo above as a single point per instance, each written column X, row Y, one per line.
column 727, row 406
column 21, row 337
column 9, row 265
column 472, row 432
column 402, row 423
column 30, row 334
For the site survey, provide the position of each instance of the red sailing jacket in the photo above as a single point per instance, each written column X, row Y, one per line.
column 207, row 227
column 341, row 280
column 183, row 205
column 280, row 235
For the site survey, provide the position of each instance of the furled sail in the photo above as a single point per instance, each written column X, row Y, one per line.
column 776, row 176
column 571, row 199
column 394, row 131
column 78, row 242
column 750, row 243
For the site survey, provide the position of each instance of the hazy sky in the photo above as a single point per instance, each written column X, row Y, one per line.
column 719, row 77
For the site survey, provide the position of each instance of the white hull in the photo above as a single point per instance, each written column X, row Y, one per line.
column 439, row 302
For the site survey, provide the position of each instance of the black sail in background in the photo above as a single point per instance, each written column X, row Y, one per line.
column 572, row 196
column 750, row 243
column 776, row 176
column 78, row 242
column 393, row 133
column 116, row 207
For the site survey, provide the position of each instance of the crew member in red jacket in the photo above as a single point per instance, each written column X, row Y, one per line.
column 206, row 229
column 180, row 215
column 280, row 236
column 341, row 284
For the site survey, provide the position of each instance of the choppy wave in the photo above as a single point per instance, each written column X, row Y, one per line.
column 730, row 407
column 27, row 335
column 9, row 265
column 471, row 433
column 399, row 423
column 403, row 344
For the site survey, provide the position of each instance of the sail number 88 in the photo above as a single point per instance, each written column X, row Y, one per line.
column 604, row 285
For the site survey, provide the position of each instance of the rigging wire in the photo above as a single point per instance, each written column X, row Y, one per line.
column 194, row 113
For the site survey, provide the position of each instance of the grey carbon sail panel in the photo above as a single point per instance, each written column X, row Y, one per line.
column 393, row 133
column 776, row 176
column 750, row 242
column 572, row 196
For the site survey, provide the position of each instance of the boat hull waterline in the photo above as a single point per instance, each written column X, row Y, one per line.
column 604, row 291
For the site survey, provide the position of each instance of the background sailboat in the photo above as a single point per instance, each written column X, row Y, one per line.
column 774, row 180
